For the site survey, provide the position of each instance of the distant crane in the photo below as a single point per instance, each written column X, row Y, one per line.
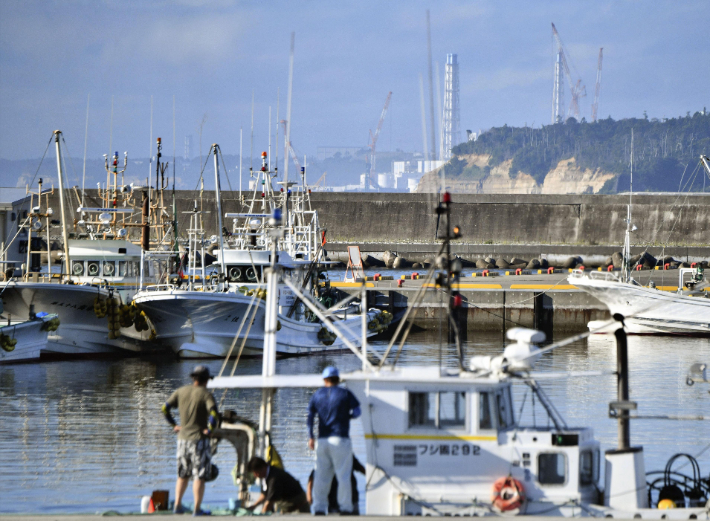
column 577, row 89
column 370, row 159
column 291, row 151
column 598, row 87
column 321, row 179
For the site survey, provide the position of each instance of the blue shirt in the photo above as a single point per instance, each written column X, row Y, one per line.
column 334, row 407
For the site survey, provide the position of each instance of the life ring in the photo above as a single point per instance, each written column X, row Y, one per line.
column 508, row 494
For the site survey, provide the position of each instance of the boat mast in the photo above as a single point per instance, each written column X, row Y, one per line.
column 268, row 368
column 287, row 133
column 218, row 197
column 60, row 174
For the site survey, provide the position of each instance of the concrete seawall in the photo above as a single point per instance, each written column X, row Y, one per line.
column 496, row 225
column 580, row 220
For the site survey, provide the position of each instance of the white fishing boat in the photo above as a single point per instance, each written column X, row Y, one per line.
column 203, row 317
column 651, row 310
column 200, row 323
column 446, row 441
column 24, row 341
column 91, row 282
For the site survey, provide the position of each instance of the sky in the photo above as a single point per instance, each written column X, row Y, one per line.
column 210, row 56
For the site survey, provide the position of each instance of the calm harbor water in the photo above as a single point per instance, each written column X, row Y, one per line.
column 88, row 436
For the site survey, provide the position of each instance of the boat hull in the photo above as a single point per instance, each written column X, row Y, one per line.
column 649, row 310
column 204, row 325
column 81, row 332
column 31, row 338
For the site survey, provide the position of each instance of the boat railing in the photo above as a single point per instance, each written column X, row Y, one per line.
column 696, row 276
column 596, row 275
column 161, row 287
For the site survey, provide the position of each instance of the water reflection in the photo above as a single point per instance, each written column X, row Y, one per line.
column 89, row 434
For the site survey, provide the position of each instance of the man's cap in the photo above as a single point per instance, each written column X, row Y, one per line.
column 330, row 372
column 201, row 372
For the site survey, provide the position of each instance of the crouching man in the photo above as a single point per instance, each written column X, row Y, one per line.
column 280, row 491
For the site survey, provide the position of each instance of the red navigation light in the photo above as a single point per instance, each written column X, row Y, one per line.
column 457, row 300
column 447, row 197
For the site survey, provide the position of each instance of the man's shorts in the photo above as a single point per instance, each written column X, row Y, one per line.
column 194, row 458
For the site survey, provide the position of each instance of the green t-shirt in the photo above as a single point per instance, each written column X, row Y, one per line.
column 194, row 403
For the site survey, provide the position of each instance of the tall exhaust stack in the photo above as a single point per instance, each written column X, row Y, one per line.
column 451, row 131
column 558, row 95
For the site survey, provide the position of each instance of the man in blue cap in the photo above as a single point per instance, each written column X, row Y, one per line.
column 335, row 406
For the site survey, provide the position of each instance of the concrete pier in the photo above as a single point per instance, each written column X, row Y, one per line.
column 496, row 303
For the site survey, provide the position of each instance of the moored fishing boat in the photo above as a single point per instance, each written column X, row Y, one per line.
column 24, row 340
column 203, row 317
column 89, row 283
column 650, row 309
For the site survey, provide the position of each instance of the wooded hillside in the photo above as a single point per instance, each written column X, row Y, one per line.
column 666, row 152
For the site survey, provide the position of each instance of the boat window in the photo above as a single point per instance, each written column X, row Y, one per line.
column 485, row 420
column 77, row 268
column 122, row 266
column 251, row 274
column 588, row 467
column 509, row 401
column 93, row 268
column 503, row 417
column 236, row 273
column 452, row 409
column 551, row 468
column 109, row 268
column 437, row 409
column 422, row 409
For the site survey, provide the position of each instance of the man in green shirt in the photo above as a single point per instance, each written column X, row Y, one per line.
column 199, row 417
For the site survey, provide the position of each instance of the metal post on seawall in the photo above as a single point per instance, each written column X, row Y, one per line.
column 625, row 473
column 67, row 259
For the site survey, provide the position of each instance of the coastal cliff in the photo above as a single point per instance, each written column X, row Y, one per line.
column 580, row 158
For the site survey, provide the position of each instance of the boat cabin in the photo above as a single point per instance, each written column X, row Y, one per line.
column 438, row 444
column 116, row 262
column 247, row 266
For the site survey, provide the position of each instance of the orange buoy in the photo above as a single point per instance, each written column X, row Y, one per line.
column 508, row 494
